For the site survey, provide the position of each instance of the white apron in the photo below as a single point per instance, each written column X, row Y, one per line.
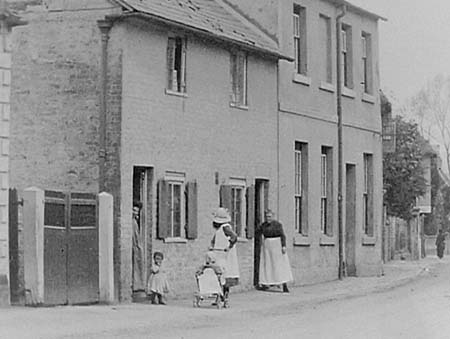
column 228, row 260
column 274, row 266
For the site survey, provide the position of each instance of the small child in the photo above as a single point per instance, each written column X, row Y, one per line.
column 158, row 286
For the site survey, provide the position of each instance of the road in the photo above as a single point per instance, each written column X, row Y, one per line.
column 418, row 309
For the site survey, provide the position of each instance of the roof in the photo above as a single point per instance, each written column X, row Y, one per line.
column 352, row 5
column 210, row 17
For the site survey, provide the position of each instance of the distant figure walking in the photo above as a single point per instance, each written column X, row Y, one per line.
column 440, row 244
column 274, row 266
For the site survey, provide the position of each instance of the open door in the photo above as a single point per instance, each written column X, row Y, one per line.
column 142, row 235
column 261, row 204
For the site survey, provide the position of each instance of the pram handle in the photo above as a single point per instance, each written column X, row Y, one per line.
column 219, row 249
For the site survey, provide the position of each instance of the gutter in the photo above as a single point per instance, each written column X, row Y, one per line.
column 203, row 32
column 340, row 143
column 105, row 27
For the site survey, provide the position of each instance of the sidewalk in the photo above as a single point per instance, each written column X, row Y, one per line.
column 104, row 321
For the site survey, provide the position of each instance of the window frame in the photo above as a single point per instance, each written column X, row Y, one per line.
column 347, row 56
column 301, row 188
column 177, row 179
column 327, row 34
column 300, row 40
column 326, row 190
column 367, row 195
column 239, row 78
column 366, row 59
column 176, row 62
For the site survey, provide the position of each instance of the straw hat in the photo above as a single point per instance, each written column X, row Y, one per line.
column 221, row 216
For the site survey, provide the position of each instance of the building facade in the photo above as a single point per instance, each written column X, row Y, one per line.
column 190, row 105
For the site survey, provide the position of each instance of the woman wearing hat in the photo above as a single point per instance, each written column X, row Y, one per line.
column 223, row 243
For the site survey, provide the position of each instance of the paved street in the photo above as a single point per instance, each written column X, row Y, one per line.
column 412, row 300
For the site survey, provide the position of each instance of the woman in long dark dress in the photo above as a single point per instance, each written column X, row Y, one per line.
column 274, row 266
column 440, row 244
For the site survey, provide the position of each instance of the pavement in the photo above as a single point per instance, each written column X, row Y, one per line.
column 97, row 321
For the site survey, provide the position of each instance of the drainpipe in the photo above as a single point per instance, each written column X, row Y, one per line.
column 340, row 146
column 105, row 27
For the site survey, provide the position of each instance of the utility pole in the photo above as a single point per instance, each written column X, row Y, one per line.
column 340, row 144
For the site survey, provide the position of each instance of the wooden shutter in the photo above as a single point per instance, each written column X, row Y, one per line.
column 225, row 197
column 170, row 62
column 250, row 198
column 183, row 66
column 191, row 213
column 164, row 226
column 240, row 79
column 233, row 73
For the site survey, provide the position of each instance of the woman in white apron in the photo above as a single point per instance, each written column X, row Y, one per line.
column 274, row 266
column 222, row 244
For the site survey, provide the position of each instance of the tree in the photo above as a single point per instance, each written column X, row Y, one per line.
column 431, row 107
column 403, row 175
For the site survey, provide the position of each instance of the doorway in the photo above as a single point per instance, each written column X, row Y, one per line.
column 350, row 219
column 261, row 204
column 142, row 229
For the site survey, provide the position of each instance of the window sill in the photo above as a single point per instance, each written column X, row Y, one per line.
column 348, row 92
column 241, row 239
column 238, row 106
column 368, row 240
column 327, row 87
column 175, row 93
column 176, row 240
column 302, row 240
column 368, row 98
column 326, row 240
column 301, row 79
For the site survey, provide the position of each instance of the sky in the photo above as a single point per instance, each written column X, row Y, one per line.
column 414, row 44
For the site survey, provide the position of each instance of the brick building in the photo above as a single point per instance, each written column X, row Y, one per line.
column 190, row 104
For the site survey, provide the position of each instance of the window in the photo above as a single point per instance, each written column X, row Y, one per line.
column 177, row 207
column 176, row 64
column 347, row 56
column 366, row 46
column 232, row 197
column 325, row 40
column 299, row 24
column 238, row 63
column 368, row 195
column 301, row 187
column 326, row 191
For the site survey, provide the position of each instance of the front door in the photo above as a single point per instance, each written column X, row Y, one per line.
column 261, row 204
column 142, row 194
column 70, row 248
column 350, row 219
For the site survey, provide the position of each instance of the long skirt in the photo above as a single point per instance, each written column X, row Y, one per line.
column 229, row 262
column 274, row 266
column 440, row 250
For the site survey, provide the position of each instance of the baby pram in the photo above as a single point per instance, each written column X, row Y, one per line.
column 210, row 281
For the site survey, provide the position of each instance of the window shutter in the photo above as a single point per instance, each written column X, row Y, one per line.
column 163, row 210
column 240, row 79
column 233, row 73
column 191, row 227
column 170, row 62
column 183, row 66
column 250, row 211
column 225, row 197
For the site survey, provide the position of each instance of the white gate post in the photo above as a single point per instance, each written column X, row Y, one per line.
column 105, row 247
column 33, row 228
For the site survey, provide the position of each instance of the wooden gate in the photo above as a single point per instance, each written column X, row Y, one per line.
column 70, row 248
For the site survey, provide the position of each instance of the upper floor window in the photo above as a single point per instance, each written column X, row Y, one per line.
column 300, row 55
column 238, row 63
column 176, row 64
column 347, row 56
column 326, row 191
column 325, row 41
column 366, row 46
column 301, row 187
